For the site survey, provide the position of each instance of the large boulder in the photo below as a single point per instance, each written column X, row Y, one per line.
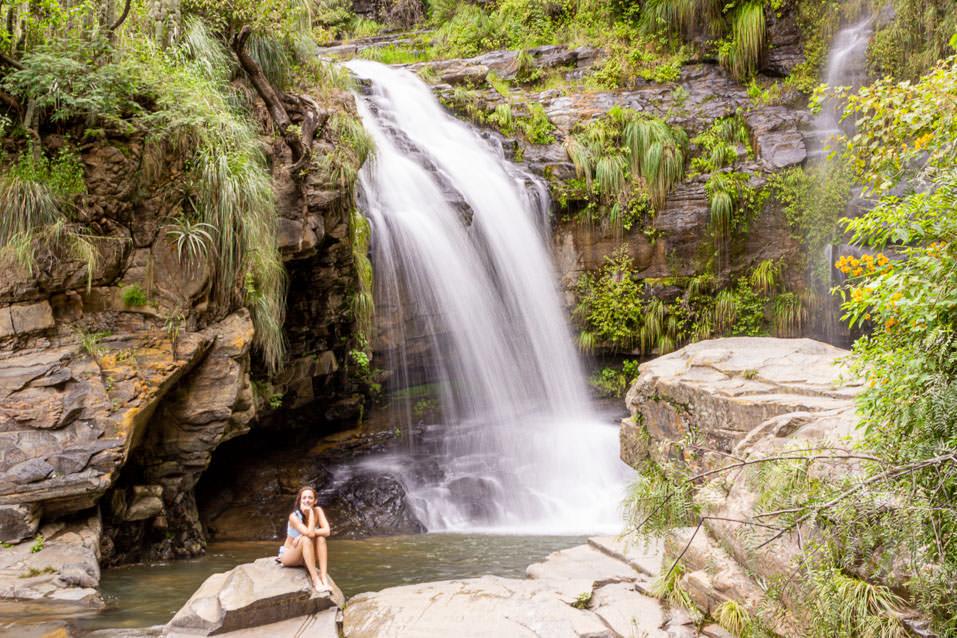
column 722, row 389
column 251, row 595
column 744, row 399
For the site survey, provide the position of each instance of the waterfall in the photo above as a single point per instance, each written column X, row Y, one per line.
column 459, row 250
column 846, row 66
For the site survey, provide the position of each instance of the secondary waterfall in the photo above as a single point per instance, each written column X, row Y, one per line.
column 459, row 244
column 846, row 66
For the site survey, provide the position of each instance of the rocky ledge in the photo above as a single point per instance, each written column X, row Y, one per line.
column 598, row 590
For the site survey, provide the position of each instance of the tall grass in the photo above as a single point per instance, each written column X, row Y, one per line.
column 229, row 184
column 626, row 151
column 742, row 54
column 37, row 199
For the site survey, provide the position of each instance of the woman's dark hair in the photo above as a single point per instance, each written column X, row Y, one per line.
column 299, row 499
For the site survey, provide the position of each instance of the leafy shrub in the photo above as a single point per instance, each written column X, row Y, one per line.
column 626, row 155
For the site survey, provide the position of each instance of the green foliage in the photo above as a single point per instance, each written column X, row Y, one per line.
column 273, row 17
column 813, row 199
column 37, row 546
column 613, row 382
column 37, row 195
column 733, row 205
column 363, row 306
column 843, row 605
column 720, row 143
column 583, row 601
column 628, row 161
column 742, row 52
column 134, row 296
column 903, row 151
column 765, row 277
column 914, row 40
column 512, row 24
column 734, row 617
column 667, row 586
column 193, row 239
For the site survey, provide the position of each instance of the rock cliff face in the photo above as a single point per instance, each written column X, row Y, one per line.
column 678, row 234
column 110, row 408
column 741, row 399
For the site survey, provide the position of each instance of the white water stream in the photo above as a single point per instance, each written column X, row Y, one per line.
column 459, row 240
column 846, row 67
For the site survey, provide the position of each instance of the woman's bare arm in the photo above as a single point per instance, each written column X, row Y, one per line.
column 323, row 529
column 302, row 526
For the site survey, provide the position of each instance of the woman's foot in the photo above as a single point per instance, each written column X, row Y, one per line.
column 320, row 586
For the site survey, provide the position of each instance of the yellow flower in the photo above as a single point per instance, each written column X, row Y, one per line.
column 858, row 272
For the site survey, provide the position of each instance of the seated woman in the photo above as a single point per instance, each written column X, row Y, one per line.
column 306, row 534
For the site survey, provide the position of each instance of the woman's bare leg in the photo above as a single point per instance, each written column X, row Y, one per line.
column 323, row 553
column 309, row 559
column 292, row 556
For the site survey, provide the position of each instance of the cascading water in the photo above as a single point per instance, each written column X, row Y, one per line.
column 459, row 243
column 846, row 66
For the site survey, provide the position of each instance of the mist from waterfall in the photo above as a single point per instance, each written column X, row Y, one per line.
column 459, row 249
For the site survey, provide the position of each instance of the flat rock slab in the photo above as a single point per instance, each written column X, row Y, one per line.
column 643, row 555
column 471, row 608
column 578, row 570
column 628, row 612
column 250, row 595
column 318, row 625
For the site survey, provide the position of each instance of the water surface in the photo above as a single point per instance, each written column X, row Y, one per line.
column 144, row 595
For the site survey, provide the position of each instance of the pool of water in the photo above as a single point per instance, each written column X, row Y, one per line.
column 144, row 595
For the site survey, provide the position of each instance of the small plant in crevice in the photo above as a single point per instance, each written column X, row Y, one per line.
column 721, row 144
column 36, row 571
column 37, row 546
column 173, row 324
column 133, row 295
column 90, row 342
column 193, row 239
column 583, row 600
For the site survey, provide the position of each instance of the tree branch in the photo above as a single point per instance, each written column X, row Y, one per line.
column 121, row 19
column 277, row 111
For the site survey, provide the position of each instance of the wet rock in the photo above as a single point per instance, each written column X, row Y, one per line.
column 785, row 48
column 750, row 398
column 29, row 471
column 61, row 453
column 251, row 595
column 573, row 593
column 371, row 505
column 21, row 319
column 578, row 570
column 476, row 496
